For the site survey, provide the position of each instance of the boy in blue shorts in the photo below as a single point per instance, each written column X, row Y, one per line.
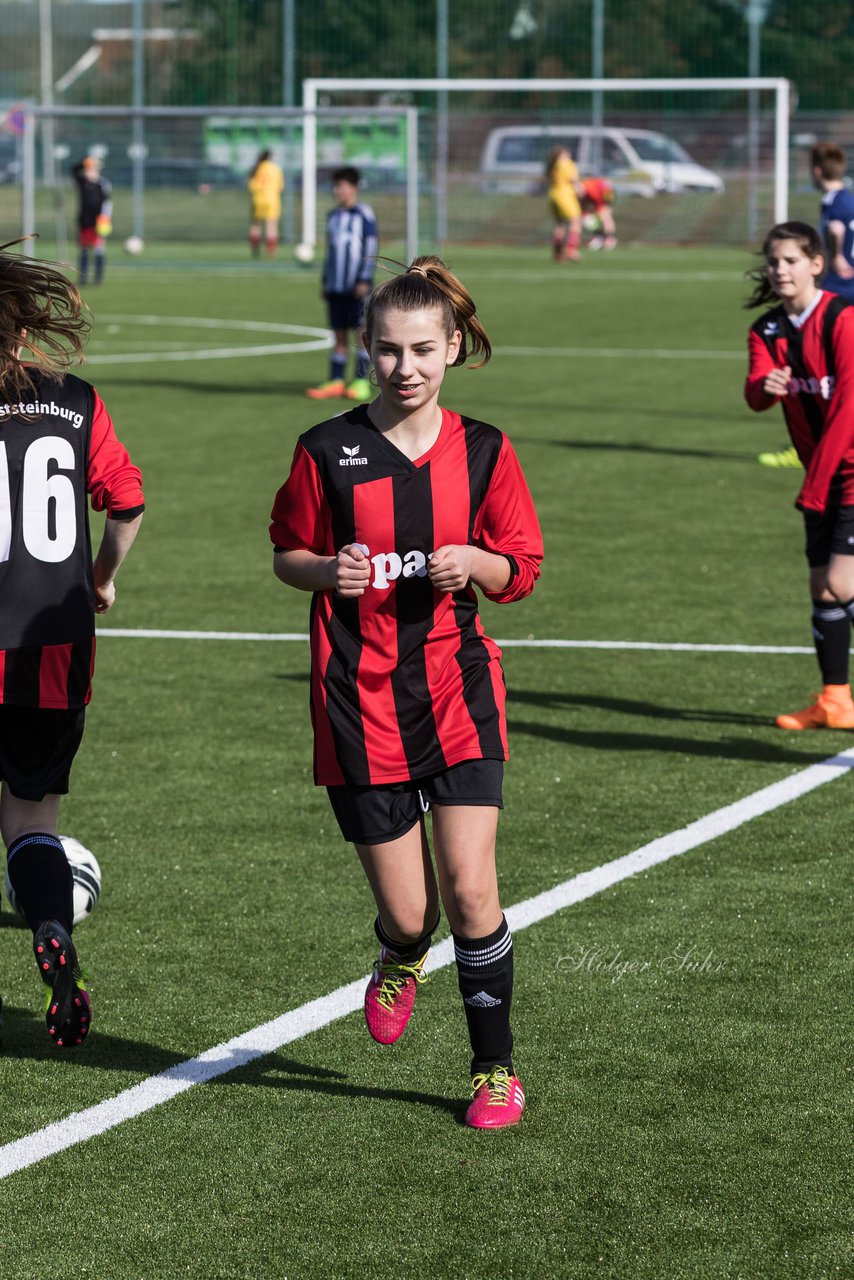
column 348, row 277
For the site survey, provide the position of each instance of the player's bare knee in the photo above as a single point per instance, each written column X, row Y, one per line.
column 468, row 907
column 407, row 925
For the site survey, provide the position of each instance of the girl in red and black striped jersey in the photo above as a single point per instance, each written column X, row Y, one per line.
column 802, row 357
column 392, row 514
column 57, row 447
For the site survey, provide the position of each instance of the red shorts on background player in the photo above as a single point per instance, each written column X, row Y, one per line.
column 597, row 213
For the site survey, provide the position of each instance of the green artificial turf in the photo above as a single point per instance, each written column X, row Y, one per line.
column 681, row 1035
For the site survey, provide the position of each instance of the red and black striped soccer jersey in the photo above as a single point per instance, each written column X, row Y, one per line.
column 404, row 681
column 819, row 407
column 56, row 445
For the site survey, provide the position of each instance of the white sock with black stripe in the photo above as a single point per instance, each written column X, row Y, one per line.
column 485, row 974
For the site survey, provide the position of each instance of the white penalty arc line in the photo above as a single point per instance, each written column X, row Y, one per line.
column 147, row 633
column 317, row 339
column 315, row 1014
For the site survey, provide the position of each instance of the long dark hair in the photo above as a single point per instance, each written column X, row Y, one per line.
column 262, row 156
column 36, row 299
column 427, row 283
column 805, row 236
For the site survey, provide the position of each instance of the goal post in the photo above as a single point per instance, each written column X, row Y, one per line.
column 751, row 137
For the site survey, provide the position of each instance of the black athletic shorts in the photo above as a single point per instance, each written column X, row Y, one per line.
column 345, row 310
column 828, row 532
column 377, row 815
column 37, row 749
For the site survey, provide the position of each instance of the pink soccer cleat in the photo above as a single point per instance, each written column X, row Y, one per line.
column 498, row 1100
column 390, row 995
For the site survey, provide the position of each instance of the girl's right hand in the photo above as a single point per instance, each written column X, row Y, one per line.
column 352, row 570
column 777, row 382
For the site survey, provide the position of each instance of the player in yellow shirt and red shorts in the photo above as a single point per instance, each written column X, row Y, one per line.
column 266, row 184
column 563, row 189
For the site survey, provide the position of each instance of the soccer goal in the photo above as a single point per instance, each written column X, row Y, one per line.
column 691, row 161
column 179, row 173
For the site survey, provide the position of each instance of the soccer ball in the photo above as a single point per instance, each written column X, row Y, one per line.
column 134, row 245
column 85, row 873
column 304, row 253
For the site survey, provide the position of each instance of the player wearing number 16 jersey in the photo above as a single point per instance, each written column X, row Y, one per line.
column 392, row 515
column 58, row 452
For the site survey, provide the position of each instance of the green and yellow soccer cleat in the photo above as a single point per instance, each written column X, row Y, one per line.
column 360, row 389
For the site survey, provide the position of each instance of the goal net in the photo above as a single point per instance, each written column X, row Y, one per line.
column 691, row 161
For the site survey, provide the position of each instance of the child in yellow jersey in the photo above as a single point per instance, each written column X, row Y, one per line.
column 563, row 185
column 266, row 184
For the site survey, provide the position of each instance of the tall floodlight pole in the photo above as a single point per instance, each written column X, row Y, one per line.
column 755, row 14
column 138, row 149
column 597, row 72
column 46, row 75
column 289, row 100
column 442, row 122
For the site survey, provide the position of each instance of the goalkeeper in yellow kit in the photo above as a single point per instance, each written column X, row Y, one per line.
column 563, row 188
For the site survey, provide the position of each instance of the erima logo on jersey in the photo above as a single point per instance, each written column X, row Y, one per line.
column 482, row 1001
column 771, row 328
column 389, row 565
column 812, row 386
column 352, row 459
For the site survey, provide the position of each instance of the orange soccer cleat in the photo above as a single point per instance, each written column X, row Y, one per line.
column 327, row 390
column 832, row 709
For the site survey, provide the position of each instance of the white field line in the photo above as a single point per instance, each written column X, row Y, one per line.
column 317, row 339
column 142, row 633
column 601, row 278
column 315, row 1014
column 561, row 279
column 320, row 339
column 620, row 353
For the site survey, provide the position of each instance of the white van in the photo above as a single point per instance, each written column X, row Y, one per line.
column 636, row 161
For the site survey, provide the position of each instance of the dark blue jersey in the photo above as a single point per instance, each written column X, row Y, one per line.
column 838, row 206
column 351, row 248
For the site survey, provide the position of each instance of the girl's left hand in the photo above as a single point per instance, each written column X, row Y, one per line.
column 450, row 568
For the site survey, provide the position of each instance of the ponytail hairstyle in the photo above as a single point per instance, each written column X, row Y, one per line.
column 262, row 156
column 40, row 310
column 428, row 284
column 805, row 236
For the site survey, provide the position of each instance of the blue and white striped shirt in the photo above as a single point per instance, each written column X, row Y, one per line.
column 351, row 248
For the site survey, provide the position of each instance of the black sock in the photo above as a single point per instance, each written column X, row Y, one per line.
column 406, row 952
column 41, row 878
column 485, row 974
column 831, row 630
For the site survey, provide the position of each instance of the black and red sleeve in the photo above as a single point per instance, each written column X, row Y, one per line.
column 507, row 525
column 113, row 482
column 301, row 517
